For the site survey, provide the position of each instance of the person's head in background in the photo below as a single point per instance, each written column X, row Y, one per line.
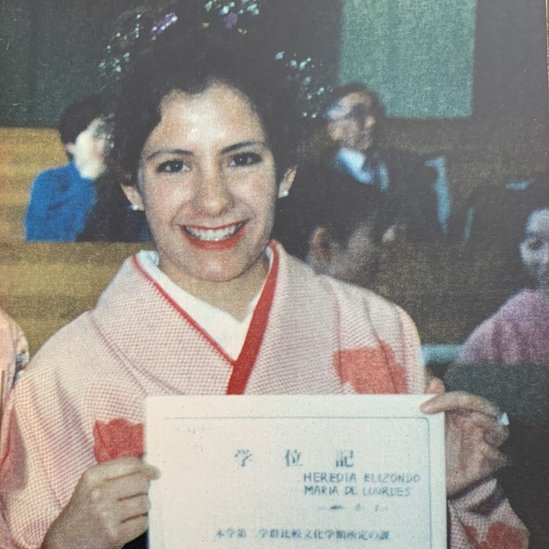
column 353, row 117
column 337, row 226
column 534, row 247
column 83, row 134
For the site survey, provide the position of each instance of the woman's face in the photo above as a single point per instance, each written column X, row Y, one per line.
column 534, row 249
column 207, row 182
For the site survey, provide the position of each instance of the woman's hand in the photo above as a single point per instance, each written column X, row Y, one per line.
column 473, row 436
column 108, row 507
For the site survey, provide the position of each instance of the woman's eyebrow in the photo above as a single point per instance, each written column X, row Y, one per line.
column 241, row 145
column 225, row 150
column 158, row 152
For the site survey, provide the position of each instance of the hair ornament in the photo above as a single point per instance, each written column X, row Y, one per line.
column 138, row 28
column 233, row 14
column 142, row 25
column 305, row 75
column 236, row 7
column 162, row 24
column 130, row 29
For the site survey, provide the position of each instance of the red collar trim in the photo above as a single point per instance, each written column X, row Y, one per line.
column 243, row 366
column 258, row 326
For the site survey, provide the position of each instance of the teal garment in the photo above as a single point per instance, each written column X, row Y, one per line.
column 60, row 202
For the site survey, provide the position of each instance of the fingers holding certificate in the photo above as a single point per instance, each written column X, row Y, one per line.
column 473, row 436
column 108, row 507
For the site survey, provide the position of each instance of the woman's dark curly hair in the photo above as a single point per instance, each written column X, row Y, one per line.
column 190, row 62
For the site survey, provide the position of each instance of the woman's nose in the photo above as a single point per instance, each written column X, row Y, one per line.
column 213, row 195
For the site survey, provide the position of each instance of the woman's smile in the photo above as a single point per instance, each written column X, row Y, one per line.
column 218, row 238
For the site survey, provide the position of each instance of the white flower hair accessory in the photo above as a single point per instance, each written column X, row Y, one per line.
column 305, row 73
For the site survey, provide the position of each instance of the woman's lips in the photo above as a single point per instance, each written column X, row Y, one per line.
column 210, row 238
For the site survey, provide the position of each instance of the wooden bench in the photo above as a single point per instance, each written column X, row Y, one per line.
column 45, row 286
column 24, row 152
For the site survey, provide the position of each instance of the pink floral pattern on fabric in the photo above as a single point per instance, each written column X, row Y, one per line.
column 117, row 438
column 502, row 536
column 499, row 536
column 370, row 369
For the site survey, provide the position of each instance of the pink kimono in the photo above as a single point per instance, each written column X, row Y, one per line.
column 14, row 354
column 516, row 334
column 83, row 399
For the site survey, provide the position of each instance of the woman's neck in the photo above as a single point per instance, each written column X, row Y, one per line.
column 232, row 296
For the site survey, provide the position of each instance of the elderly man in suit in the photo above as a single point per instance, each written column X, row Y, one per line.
column 353, row 118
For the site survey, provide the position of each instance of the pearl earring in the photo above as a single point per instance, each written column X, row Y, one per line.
column 283, row 194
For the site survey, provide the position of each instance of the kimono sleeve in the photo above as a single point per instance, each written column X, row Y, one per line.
column 28, row 507
column 483, row 518
column 14, row 354
column 5, row 541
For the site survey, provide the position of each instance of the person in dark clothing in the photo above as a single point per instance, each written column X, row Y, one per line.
column 113, row 219
column 353, row 119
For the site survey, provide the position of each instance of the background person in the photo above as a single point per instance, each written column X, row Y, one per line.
column 335, row 224
column 204, row 132
column 519, row 331
column 62, row 198
column 506, row 359
column 353, row 119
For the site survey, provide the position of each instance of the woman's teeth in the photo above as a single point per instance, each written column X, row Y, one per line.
column 213, row 235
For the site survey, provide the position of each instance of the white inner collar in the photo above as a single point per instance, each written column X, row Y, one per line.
column 228, row 331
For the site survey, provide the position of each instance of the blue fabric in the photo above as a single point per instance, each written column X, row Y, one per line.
column 60, row 202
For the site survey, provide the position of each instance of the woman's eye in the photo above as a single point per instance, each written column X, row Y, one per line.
column 171, row 166
column 245, row 159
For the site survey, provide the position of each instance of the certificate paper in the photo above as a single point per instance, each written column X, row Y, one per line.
column 320, row 471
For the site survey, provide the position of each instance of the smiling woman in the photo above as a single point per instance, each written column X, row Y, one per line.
column 204, row 140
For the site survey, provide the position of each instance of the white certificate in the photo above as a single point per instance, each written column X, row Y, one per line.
column 296, row 472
